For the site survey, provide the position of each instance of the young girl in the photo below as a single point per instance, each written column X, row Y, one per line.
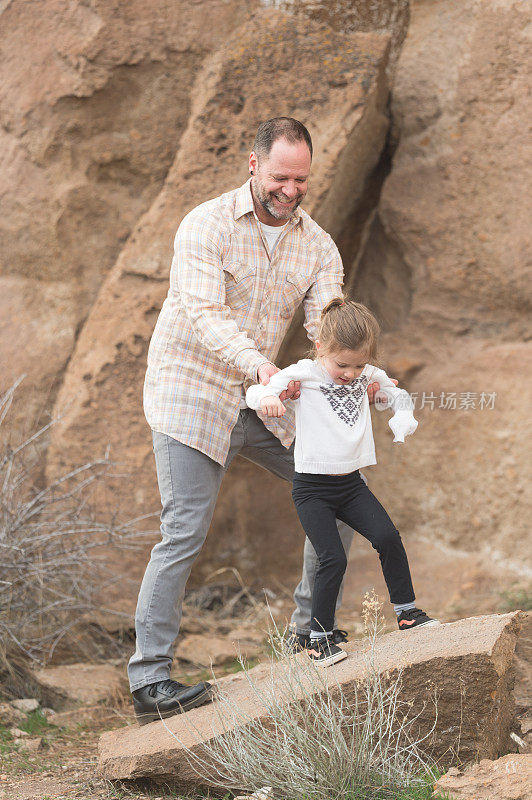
column 334, row 440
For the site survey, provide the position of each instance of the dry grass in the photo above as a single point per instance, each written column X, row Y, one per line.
column 313, row 741
column 50, row 541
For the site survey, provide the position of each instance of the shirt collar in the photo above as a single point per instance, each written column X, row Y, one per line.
column 244, row 204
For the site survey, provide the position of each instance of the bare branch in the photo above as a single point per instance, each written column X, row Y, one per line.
column 53, row 566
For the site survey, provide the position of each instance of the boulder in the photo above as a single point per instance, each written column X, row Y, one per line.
column 70, row 685
column 390, row 16
column 523, row 684
column 507, row 778
column 17, row 733
column 469, row 664
column 31, row 745
column 470, row 447
column 10, row 715
column 206, row 650
column 26, row 704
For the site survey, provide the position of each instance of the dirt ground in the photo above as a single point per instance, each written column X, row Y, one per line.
column 449, row 585
column 65, row 766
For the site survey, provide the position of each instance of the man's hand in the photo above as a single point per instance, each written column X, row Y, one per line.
column 373, row 388
column 272, row 406
column 265, row 372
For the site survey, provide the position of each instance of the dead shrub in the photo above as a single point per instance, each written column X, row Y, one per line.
column 52, row 568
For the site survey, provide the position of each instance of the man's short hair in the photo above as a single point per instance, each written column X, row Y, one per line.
column 280, row 128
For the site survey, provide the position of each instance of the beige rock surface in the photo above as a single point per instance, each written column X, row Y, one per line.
column 207, row 650
column 17, row 733
column 469, row 664
column 93, row 102
column 364, row 15
column 462, row 479
column 9, row 715
column 523, row 684
column 447, row 266
column 69, row 685
column 448, row 206
column 117, row 118
column 31, row 744
column 507, row 778
column 26, row 704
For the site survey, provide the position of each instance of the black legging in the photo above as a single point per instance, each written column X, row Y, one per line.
column 320, row 499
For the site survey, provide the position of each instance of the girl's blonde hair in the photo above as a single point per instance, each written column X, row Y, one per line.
column 346, row 325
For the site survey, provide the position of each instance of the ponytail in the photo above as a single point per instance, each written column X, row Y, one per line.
column 336, row 302
column 348, row 325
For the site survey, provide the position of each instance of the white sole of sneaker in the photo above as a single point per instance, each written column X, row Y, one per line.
column 433, row 622
column 328, row 662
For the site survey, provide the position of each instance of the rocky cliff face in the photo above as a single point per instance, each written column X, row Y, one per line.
column 94, row 99
column 117, row 119
column 446, row 265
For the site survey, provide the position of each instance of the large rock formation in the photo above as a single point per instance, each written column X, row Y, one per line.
column 118, row 118
column 94, row 99
column 467, row 664
column 445, row 265
column 237, row 88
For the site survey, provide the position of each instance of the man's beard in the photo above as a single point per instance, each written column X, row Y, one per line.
column 265, row 199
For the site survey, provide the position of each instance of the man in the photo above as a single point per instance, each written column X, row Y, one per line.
column 243, row 263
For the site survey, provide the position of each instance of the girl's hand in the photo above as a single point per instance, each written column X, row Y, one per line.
column 292, row 392
column 272, row 406
column 373, row 388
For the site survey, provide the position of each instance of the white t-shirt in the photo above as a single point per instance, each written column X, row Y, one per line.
column 271, row 234
column 333, row 422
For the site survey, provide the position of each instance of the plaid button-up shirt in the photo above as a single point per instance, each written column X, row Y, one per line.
column 228, row 308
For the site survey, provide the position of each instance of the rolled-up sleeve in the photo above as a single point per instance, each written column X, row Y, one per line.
column 197, row 275
column 328, row 284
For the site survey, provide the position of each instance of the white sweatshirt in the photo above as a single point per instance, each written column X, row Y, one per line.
column 333, row 421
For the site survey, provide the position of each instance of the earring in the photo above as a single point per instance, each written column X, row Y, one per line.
column 251, row 172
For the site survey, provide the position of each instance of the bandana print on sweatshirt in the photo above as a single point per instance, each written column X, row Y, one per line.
column 345, row 401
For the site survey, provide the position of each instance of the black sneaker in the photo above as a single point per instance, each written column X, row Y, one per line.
column 296, row 642
column 325, row 652
column 300, row 641
column 415, row 618
column 339, row 636
column 166, row 698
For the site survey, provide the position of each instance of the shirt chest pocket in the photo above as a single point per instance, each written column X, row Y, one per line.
column 293, row 291
column 239, row 284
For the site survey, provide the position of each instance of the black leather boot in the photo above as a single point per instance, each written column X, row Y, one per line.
column 166, row 698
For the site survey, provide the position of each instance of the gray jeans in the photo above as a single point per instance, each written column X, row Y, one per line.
column 189, row 482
